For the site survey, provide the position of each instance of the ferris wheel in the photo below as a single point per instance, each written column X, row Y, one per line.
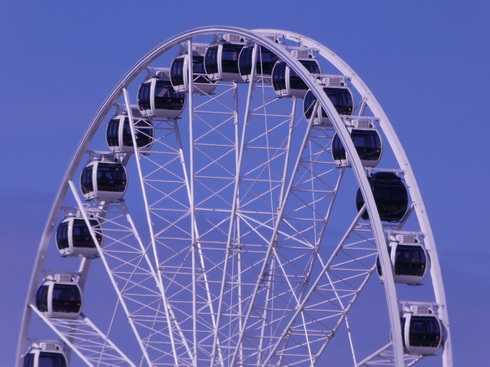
column 239, row 199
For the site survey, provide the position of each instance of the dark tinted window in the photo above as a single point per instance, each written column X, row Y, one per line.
column 279, row 76
column 86, row 180
column 245, row 61
column 367, row 143
column 127, row 137
column 309, row 104
column 29, row 360
column 311, row 65
column 266, row 61
column 410, row 260
column 62, row 236
column 229, row 58
column 296, row 82
column 177, row 71
column 390, row 195
column 66, row 298
column 144, row 96
column 199, row 72
column 111, row 177
column 424, row 331
column 391, row 200
column 211, row 60
column 341, row 100
column 81, row 234
column 47, row 359
column 166, row 98
column 198, row 62
column 112, row 133
column 338, row 151
column 144, row 133
column 42, row 298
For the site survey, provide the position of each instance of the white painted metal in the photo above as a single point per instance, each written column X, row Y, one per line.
column 409, row 177
column 243, row 280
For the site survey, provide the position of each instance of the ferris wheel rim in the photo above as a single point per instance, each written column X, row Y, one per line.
column 326, row 104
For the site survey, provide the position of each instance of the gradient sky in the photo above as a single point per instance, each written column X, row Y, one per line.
column 425, row 61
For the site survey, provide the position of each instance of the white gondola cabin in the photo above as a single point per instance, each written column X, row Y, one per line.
column 104, row 180
column 45, row 354
column 409, row 259
column 118, row 133
column 179, row 72
column 221, row 59
column 422, row 331
column 367, row 142
column 286, row 82
column 390, row 195
column 157, row 98
column 338, row 93
column 265, row 61
column 59, row 297
column 73, row 237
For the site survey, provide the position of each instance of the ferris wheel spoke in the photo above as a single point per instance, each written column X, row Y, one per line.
column 192, row 206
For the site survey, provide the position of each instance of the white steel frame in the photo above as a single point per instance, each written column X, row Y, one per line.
column 238, row 196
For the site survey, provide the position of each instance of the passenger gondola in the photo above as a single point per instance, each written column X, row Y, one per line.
column 118, row 133
column 265, row 61
column 73, row 237
column 221, row 59
column 179, row 73
column 157, row 98
column 368, row 146
column 59, row 297
column 286, row 82
column 390, row 195
column 409, row 259
column 341, row 98
column 104, row 180
column 45, row 354
column 422, row 333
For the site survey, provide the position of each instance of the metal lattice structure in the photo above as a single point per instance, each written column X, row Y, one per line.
column 238, row 242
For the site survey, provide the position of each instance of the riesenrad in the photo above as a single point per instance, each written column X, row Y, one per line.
column 239, row 199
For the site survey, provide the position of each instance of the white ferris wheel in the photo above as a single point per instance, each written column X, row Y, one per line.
column 239, row 199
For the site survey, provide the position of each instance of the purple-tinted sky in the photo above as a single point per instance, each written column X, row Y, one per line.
column 426, row 62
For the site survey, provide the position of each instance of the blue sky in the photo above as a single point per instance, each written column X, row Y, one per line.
column 425, row 61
